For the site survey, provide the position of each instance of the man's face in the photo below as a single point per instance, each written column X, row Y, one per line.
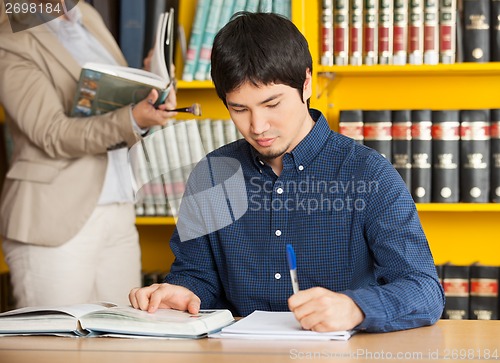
column 272, row 118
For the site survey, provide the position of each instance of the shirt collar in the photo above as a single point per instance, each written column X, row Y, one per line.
column 73, row 16
column 307, row 149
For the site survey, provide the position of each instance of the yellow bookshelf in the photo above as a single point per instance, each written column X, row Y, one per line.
column 460, row 233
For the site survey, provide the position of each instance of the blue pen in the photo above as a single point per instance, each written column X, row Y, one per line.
column 292, row 264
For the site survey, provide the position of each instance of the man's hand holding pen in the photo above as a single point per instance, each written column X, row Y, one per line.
column 320, row 309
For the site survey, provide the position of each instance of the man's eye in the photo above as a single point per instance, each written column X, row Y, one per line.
column 273, row 105
column 238, row 110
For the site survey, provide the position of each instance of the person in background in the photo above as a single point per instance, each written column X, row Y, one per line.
column 363, row 261
column 67, row 208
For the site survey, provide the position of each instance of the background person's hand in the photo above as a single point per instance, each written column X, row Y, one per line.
column 146, row 115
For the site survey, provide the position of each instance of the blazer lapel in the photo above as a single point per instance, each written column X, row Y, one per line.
column 47, row 40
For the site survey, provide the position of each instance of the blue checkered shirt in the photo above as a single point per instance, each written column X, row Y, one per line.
column 348, row 215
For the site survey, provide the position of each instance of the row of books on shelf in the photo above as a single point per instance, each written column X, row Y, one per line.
column 444, row 156
column 133, row 23
column 210, row 17
column 162, row 161
column 471, row 291
column 356, row 32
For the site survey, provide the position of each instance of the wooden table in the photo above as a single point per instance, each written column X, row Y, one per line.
column 448, row 340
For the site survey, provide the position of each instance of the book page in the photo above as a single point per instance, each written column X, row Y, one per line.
column 276, row 325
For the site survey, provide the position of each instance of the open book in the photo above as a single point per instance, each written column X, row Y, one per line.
column 269, row 325
column 112, row 320
column 103, row 87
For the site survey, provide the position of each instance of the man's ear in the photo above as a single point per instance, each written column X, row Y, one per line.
column 307, row 89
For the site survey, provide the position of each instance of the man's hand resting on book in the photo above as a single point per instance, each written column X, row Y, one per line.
column 322, row 310
column 146, row 115
column 164, row 296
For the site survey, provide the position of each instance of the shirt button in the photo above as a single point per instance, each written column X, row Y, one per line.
column 261, row 162
column 277, row 233
column 301, row 167
column 279, row 190
column 277, row 276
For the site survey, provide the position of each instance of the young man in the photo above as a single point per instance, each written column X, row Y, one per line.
column 363, row 260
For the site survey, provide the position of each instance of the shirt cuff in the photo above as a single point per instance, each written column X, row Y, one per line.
column 135, row 126
column 373, row 316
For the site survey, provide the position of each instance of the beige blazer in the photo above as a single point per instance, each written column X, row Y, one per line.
column 59, row 162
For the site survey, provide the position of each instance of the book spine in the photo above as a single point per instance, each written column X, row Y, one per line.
column 351, row 124
column 474, row 155
column 266, row 6
column 282, row 7
column 211, row 29
column 456, row 291
column 196, row 150
column 163, row 168
column 184, row 148
column 431, row 32
column 230, row 132
column 495, row 31
column 421, row 151
column 495, row 156
column 447, row 31
column 226, row 13
column 483, row 292
column 416, row 32
column 206, row 134
column 385, row 31
column 401, row 144
column 476, row 30
column 445, row 156
column 377, row 131
column 142, row 178
column 356, row 32
column 218, row 133
column 400, row 32
column 239, row 5
column 370, row 32
column 459, row 32
column 132, row 31
column 170, row 140
column 252, row 6
column 157, row 170
column 327, row 57
column 341, row 32
column 194, row 47
column 153, row 9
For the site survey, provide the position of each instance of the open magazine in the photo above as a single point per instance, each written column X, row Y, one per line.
column 112, row 320
column 103, row 87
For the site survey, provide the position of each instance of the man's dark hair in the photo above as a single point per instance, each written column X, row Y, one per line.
column 261, row 48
